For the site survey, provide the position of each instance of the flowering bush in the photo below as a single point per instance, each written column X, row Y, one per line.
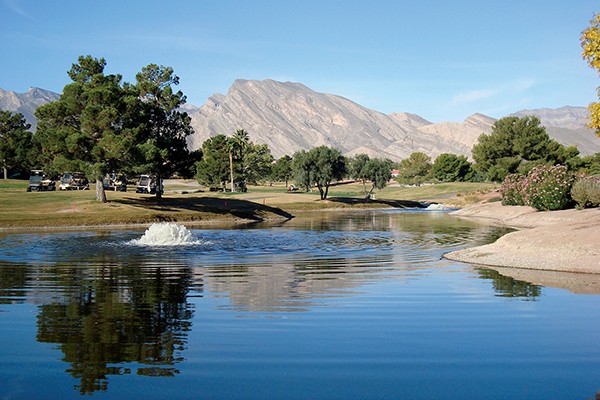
column 513, row 190
column 586, row 191
column 544, row 188
column 549, row 188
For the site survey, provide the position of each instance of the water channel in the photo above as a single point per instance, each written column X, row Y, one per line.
column 325, row 306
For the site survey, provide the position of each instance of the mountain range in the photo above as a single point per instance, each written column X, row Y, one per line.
column 26, row 103
column 289, row 116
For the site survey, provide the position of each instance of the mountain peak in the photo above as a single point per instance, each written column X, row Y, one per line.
column 480, row 120
column 564, row 117
column 26, row 103
column 289, row 116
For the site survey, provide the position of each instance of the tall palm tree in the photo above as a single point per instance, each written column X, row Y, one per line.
column 237, row 143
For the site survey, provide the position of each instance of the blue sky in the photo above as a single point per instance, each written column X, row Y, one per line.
column 442, row 60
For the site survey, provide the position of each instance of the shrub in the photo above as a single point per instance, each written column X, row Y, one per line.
column 513, row 190
column 586, row 191
column 549, row 188
column 544, row 188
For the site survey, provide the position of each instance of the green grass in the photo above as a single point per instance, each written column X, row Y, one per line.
column 436, row 192
column 22, row 209
column 13, row 184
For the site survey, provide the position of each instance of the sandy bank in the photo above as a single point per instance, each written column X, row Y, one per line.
column 565, row 240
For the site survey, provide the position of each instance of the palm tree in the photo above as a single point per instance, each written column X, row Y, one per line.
column 237, row 143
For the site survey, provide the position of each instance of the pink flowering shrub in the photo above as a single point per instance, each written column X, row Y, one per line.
column 544, row 188
column 586, row 191
column 513, row 190
column 549, row 188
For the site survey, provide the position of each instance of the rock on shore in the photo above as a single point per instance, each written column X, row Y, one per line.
column 566, row 240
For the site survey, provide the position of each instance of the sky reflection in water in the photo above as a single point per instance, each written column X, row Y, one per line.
column 329, row 306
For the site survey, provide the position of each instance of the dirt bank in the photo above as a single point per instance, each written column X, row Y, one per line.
column 565, row 240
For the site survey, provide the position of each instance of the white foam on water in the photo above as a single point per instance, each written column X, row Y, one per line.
column 436, row 207
column 166, row 234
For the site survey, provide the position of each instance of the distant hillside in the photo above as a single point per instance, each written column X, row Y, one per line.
column 563, row 117
column 289, row 116
column 26, row 103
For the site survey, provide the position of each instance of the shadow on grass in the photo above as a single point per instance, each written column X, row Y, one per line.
column 232, row 207
column 382, row 202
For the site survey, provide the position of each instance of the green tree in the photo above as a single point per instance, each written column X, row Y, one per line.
column 281, row 170
column 451, row 168
column 378, row 172
column 187, row 167
column 238, row 143
column 213, row 169
column 357, row 170
column 302, row 169
column 513, row 140
column 91, row 127
column 590, row 164
column 590, row 42
column 415, row 169
column 374, row 170
column 16, row 145
column 162, row 145
column 257, row 162
column 320, row 166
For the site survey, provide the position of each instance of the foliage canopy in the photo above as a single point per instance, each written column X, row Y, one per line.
column 235, row 159
column 451, row 168
column 374, row 170
column 415, row 169
column 320, row 166
column 517, row 145
column 101, row 125
column 590, row 42
column 16, row 146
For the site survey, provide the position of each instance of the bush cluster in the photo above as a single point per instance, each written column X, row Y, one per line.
column 586, row 191
column 513, row 190
column 544, row 188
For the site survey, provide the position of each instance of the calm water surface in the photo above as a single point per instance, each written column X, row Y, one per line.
column 342, row 306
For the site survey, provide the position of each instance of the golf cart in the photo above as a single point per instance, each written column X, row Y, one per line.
column 147, row 184
column 39, row 182
column 74, row 181
column 115, row 182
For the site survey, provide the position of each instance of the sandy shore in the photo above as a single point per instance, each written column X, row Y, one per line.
column 566, row 241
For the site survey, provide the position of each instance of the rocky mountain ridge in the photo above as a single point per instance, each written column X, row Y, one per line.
column 26, row 103
column 289, row 116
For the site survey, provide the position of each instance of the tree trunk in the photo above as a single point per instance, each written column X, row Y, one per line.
column 100, row 193
column 159, row 186
column 370, row 194
column 322, row 194
column 5, row 173
column 231, row 168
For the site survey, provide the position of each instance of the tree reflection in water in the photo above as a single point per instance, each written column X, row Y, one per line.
column 136, row 314
column 120, row 310
column 506, row 286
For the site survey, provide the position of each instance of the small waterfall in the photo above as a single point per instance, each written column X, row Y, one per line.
column 166, row 234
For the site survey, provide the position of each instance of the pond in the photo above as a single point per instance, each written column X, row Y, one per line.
column 327, row 306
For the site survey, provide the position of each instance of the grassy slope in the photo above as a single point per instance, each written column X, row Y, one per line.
column 19, row 208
